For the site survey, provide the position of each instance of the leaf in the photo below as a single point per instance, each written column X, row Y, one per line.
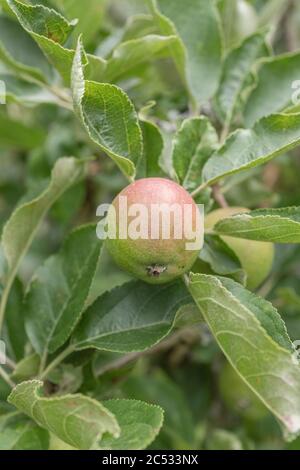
column 20, row 229
column 20, row 53
column 274, row 225
column 220, row 439
column 198, row 26
column 152, row 150
column 238, row 320
column 139, row 422
column 19, row 433
column 76, row 419
column 132, row 317
column 27, row 368
column 248, row 148
column 222, row 260
column 59, row 290
column 16, row 135
column 108, row 116
column 135, row 52
column 273, row 91
column 50, row 30
column 236, row 70
column 193, row 144
column 90, row 15
column 25, row 93
column 157, row 387
column 15, row 338
column 178, row 52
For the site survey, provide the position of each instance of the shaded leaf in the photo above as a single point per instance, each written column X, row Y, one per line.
column 222, row 260
column 59, row 290
column 193, row 144
column 198, row 26
column 152, row 150
column 130, row 54
column 50, row 30
column 19, row 433
column 157, row 388
column 14, row 326
column 25, row 93
column 132, row 317
column 20, row 53
column 20, row 229
column 90, row 15
column 16, row 135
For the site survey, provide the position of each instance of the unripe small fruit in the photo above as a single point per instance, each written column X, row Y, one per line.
column 256, row 257
column 238, row 397
column 159, row 260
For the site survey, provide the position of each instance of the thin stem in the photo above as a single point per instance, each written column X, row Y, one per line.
column 69, row 350
column 8, row 362
column 43, row 362
column 6, row 378
column 224, row 133
column 219, row 196
column 4, row 298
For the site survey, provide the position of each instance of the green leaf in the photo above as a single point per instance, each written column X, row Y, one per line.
column 274, row 225
column 273, row 91
column 220, row 439
column 108, row 116
column 157, row 387
column 198, row 26
column 236, row 70
column 135, row 52
column 20, row 229
column 152, row 150
column 78, row 420
column 222, row 260
column 193, row 144
column 15, row 338
column 50, row 30
column 139, row 422
column 20, row 433
column 238, row 321
column 20, row 53
column 132, row 317
column 25, row 93
column 177, row 50
column 16, row 135
column 90, row 15
column 248, row 148
column 27, row 368
column 59, row 290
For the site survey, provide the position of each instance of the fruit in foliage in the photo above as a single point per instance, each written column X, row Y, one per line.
column 256, row 257
column 156, row 259
column 238, row 397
